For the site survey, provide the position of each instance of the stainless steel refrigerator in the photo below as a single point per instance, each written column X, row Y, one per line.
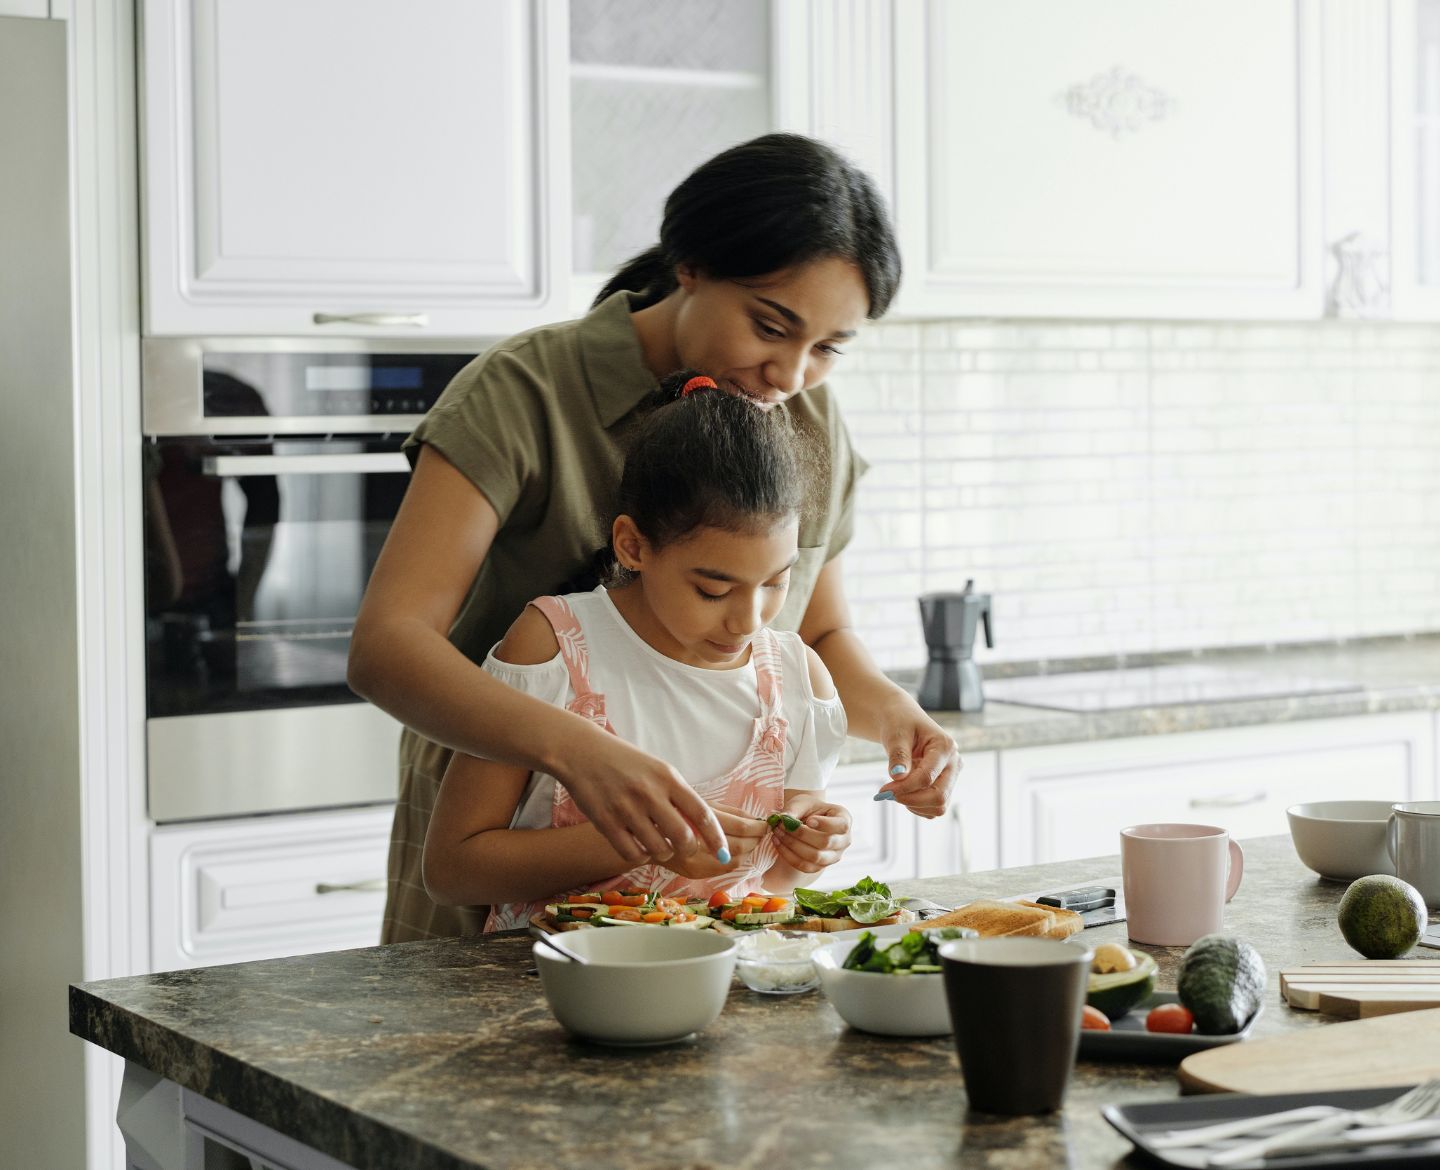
column 41, row 929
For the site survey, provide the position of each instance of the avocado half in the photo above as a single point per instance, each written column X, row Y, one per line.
column 1116, row 992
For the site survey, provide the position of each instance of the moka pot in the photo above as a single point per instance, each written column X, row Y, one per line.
column 951, row 681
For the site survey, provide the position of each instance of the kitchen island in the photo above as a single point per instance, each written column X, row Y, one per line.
column 440, row 1055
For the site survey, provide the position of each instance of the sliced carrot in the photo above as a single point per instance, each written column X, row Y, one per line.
column 654, row 916
column 776, row 904
column 627, row 913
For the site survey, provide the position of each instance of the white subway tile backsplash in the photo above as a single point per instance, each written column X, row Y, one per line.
column 1126, row 487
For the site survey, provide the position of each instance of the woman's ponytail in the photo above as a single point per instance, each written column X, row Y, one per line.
column 648, row 274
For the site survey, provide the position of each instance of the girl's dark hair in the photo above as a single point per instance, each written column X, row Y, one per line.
column 768, row 204
column 706, row 459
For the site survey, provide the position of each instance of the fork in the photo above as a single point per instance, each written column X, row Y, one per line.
column 1420, row 1102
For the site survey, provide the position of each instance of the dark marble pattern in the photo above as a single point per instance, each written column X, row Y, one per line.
column 1395, row 674
column 444, row 1054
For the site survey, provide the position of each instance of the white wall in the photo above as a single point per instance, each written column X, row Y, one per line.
column 1129, row 487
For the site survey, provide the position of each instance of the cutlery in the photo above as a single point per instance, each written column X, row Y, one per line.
column 557, row 946
column 1421, row 1102
column 1204, row 1135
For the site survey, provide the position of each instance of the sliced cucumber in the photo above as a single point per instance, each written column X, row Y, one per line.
column 761, row 918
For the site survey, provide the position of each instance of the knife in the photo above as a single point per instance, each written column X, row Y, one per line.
column 1098, row 902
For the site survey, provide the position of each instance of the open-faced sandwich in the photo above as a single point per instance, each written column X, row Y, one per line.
column 867, row 903
column 1012, row 919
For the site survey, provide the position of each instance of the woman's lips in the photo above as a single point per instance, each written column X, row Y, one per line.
column 729, row 651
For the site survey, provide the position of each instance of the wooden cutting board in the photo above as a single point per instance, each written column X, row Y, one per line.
column 1357, row 1054
column 1364, row 988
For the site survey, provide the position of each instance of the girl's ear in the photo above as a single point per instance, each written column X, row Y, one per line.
column 630, row 547
column 686, row 276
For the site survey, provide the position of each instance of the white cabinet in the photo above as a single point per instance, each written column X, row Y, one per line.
column 263, row 887
column 1145, row 158
column 354, row 166
column 1071, row 800
column 1415, row 155
column 891, row 843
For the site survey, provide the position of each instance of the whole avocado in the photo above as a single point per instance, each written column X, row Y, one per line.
column 1221, row 981
column 1381, row 916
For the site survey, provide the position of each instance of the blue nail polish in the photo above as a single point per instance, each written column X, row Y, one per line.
column 884, row 796
column 899, row 770
column 723, row 856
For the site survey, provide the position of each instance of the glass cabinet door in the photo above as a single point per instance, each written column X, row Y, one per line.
column 1426, row 98
column 1415, row 157
column 652, row 97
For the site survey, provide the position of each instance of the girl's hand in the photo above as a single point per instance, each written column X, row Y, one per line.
column 640, row 804
column 924, row 761
column 821, row 839
column 743, row 834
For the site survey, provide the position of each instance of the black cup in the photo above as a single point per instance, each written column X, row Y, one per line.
column 1015, row 1004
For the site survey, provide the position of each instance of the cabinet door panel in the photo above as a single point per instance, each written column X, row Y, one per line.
column 1061, row 803
column 1151, row 157
column 338, row 157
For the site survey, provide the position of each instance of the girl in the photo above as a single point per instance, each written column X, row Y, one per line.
column 771, row 256
column 676, row 657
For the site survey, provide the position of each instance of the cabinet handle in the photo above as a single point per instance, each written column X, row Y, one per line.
column 360, row 887
column 417, row 320
column 1228, row 801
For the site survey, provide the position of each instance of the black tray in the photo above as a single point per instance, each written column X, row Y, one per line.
column 1128, row 1040
column 1140, row 1123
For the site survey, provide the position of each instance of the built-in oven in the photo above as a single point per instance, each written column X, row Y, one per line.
column 272, row 472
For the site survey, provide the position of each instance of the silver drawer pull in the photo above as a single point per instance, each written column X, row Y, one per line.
column 344, row 463
column 1228, row 801
column 369, row 885
column 414, row 320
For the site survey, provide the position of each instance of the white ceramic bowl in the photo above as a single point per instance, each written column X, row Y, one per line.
column 892, row 1005
column 641, row 985
column 1342, row 839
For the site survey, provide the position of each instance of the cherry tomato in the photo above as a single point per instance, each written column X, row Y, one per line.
column 1170, row 1017
column 1094, row 1019
column 718, row 898
column 611, row 897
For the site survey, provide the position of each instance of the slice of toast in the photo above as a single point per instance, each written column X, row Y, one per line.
column 831, row 925
column 998, row 919
column 1066, row 922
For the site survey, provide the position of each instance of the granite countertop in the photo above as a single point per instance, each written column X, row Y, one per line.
column 443, row 1054
column 1389, row 674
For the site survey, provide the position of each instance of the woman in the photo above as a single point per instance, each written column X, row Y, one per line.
column 771, row 256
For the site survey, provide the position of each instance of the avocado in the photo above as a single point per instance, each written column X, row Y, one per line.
column 1116, row 992
column 1381, row 916
column 1221, row 981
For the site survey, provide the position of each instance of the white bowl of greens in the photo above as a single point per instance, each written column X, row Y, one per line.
column 888, row 980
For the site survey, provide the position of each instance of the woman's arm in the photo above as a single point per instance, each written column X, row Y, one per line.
column 924, row 761
column 402, row 661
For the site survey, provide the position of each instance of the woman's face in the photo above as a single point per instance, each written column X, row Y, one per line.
column 703, row 598
column 769, row 337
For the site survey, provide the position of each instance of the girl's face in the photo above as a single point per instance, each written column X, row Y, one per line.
column 701, row 600
column 769, row 337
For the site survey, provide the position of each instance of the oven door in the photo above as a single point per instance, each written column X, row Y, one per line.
column 258, row 551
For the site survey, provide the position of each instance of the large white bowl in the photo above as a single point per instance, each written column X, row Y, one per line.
column 1341, row 838
column 892, row 1005
column 642, row 984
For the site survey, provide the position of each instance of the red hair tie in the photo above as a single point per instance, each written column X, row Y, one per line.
column 699, row 382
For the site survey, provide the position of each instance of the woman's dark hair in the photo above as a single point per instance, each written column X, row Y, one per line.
column 768, row 204
column 704, row 459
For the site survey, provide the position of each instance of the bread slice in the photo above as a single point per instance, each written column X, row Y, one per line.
column 1066, row 922
column 831, row 925
column 998, row 919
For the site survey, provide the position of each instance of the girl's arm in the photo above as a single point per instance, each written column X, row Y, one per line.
column 824, row 832
column 402, row 661
column 924, row 761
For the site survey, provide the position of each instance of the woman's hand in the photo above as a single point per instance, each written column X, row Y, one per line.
column 640, row 804
column 924, row 761
column 821, row 839
column 743, row 834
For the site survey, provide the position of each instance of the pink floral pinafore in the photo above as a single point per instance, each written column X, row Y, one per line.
column 756, row 785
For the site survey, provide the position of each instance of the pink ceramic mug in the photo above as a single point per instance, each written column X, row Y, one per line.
column 1177, row 880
